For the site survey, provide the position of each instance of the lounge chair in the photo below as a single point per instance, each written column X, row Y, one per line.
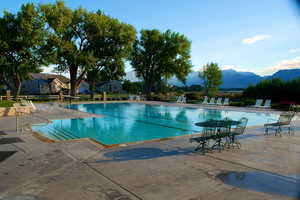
column 258, row 103
column 205, row 101
column 226, row 102
column 283, row 122
column 219, row 101
column 131, row 97
column 138, row 98
column 212, row 101
column 267, row 104
column 183, row 99
column 179, row 99
column 239, row 130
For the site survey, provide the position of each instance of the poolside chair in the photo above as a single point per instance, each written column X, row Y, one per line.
column 239, row 130
column 131, row 97
column 219, row 101
column 226, row 102
column 205, row 101
column 212, row 101
column 179, row 99
column 267, row 104
column 138, row 98
column 283, row 122
column 258, row 103
column 183, row 99
column 203, row 140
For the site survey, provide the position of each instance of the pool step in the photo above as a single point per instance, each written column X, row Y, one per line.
column 59, row 134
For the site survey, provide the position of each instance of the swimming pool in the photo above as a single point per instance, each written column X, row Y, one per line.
column 132, row 122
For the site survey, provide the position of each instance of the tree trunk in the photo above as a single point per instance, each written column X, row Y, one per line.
column 17, row 88
column 73, row 77
column 92, row 88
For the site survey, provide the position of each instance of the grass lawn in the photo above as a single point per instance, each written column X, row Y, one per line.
column 6, row 103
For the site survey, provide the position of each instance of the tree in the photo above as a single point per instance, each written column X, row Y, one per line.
column 22, row 42
column 212, row 78
column 86, row 41
column 69, row 41
column 111, row 43
column 157, row 56
column 132, row 87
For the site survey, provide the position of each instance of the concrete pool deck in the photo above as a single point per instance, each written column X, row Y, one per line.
column 37, row 170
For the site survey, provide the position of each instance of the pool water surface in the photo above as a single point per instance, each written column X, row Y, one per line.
column 132, row 122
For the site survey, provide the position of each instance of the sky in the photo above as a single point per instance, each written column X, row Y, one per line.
column 260, row 36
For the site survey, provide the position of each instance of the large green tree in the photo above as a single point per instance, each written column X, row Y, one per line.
column 69, row 41
column 160, row 55
column 111, row 42
column 212, row 77
column 22, row 42
column 85, row 41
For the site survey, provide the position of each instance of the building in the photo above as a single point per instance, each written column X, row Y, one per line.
column 42, row 83
column 113, row 86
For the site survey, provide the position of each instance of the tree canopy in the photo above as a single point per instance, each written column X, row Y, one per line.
column 212, row 77
column 157, row 56
column 86, row 41
column 22, row 41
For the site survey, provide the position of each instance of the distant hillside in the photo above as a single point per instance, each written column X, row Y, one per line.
column 286, row 74
column 231, row 78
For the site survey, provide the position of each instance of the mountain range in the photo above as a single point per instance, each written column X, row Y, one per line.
column 230, row 78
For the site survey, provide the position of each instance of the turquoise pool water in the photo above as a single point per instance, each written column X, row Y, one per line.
column 132, row 122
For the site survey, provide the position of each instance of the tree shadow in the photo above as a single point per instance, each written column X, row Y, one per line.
column 143, row 154
column 10, row 140
column 2, row 133
column 6, row 154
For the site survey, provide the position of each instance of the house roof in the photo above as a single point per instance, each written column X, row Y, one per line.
column 50, row 77
column 106, row 82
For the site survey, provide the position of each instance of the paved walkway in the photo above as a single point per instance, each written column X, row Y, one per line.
column 35, row 170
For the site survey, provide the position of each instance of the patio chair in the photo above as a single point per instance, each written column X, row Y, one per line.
column 238, row 130
column 212, row 101
column 205, row 101
column 219, row 101
column 203, row 140
column 267, row 104
column 226, row 102
column 283, row 122
column 258, row 103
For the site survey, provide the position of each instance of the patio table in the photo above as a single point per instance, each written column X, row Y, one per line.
column 219, row 125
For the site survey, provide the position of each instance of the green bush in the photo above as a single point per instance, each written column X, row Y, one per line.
column 6, row 103
column 193, row 96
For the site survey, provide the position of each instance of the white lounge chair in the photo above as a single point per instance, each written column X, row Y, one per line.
column 131, row 98
column 212, row 101
column 138, row 98
column 258, row 103
column 226, row 102
column 205, row 101
column 183, row 99
column 267, row 104
column 179, row 99
column 219, row 101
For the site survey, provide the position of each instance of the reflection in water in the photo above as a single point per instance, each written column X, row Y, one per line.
column 263, row 182
column 131, row 122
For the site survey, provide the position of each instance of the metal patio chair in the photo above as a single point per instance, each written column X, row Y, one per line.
column 283, row 122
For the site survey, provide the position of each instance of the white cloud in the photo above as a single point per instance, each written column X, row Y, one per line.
column 256, row 38
column 286, row 64
column 294, row 50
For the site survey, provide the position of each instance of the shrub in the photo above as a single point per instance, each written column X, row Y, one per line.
column 6, row 103
column 193, row 96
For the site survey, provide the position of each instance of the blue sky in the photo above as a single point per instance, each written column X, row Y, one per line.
column 261, row 36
